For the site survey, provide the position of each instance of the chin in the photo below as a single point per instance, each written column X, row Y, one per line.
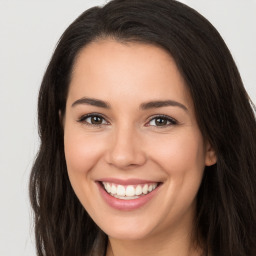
column 127, row 234
column 129, row 229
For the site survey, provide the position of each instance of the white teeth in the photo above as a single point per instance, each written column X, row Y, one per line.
column 113, row 189
column 108, row 188
column 120, row 190
column 130, row 191
column 138, row 190
column 126, row 197
column 145, row 189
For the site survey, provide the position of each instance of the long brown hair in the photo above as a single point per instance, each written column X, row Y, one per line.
column 226, row 201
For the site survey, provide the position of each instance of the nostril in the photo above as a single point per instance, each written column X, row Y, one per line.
column 126, row 159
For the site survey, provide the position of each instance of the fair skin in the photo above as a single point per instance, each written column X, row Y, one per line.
column 128, row 141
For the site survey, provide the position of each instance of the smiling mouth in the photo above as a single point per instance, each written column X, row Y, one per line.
column 129, row 192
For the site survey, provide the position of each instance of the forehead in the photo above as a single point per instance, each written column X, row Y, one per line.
column 109, row 68
column 122, row 56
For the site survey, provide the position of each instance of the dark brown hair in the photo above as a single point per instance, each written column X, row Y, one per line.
column 226, row 201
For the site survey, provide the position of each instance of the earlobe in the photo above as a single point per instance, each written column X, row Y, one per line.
column 210, row 157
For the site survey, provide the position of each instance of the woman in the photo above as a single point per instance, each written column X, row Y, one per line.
column 147, row 138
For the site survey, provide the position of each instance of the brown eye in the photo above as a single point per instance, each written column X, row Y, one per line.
column 95, row 120
column 162, row 121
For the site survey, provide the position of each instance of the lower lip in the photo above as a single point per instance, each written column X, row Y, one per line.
column 126, row 205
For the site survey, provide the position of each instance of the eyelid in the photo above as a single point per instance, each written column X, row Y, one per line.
column 84, row 117
column 172, row 120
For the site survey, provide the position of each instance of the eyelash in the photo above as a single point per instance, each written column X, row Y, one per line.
column 83, row 119
column 171, row 121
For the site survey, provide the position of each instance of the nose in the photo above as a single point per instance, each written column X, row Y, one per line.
column 125, row 149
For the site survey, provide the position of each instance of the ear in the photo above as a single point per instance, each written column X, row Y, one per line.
column 210, row 156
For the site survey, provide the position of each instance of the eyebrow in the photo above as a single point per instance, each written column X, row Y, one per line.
column 143, row 106
column 93, row 102
column 160, row 104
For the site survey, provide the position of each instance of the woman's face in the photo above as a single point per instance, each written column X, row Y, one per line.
column 135, row 155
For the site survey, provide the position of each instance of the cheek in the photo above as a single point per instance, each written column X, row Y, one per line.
column 81, row 151
column 181, row 157
column 182, row 160
column 180, row 153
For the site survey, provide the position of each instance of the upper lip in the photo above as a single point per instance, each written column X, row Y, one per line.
column 127, row 181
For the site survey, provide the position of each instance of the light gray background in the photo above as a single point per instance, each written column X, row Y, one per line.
column 29, row 31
